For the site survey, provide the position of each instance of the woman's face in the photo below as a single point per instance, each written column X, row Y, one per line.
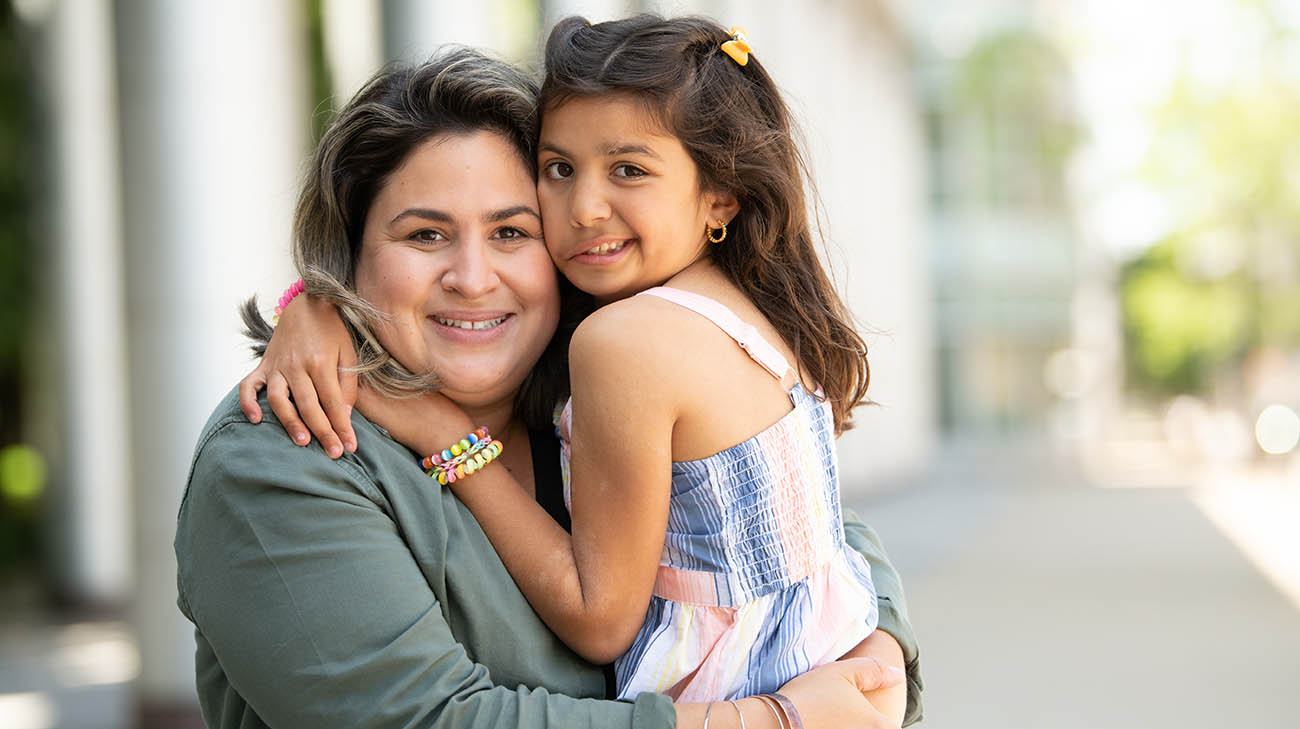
column 452, row 250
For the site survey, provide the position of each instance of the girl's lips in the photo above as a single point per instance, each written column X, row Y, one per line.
column 605, row 253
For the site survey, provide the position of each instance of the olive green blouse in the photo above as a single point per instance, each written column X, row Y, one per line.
column 353, row 593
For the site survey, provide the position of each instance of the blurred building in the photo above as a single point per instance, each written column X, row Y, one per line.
column 1003, row 252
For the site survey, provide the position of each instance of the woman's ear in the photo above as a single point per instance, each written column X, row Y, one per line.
column 723, row 206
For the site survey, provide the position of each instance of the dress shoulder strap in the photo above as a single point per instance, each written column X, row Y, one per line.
column 725, row 319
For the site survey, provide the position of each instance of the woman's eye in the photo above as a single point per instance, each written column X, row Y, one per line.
column 558, row 170
column 427, row 236
column 628, row 171
column 512, row 233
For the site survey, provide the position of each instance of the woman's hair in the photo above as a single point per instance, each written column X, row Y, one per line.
column 458, row 91
column 737, row 129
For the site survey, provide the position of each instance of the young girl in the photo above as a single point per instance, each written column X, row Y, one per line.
column 707, row 556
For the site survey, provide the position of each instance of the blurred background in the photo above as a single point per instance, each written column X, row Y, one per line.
column 1070, row 229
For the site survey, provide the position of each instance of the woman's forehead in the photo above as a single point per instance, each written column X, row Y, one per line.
column 477, row 174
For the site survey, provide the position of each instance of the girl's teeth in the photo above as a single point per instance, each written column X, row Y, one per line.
column 605, row 248
column 462, row 324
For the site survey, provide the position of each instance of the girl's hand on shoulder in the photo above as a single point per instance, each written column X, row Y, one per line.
column 835, row 695
column 305, row 373
column 426, row 424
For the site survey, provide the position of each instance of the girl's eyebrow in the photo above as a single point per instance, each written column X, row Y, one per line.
column 630, row 149
column 612, row 151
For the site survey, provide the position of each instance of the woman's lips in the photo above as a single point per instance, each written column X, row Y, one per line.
column 475, row 328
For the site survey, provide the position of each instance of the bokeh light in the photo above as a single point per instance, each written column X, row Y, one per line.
column 22, row 474
column 1277, row 430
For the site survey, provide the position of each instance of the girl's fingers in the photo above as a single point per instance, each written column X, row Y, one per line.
column 277, row 393
column 348, row 386
column 309, row 409
column 248, row 389
column 337, row 411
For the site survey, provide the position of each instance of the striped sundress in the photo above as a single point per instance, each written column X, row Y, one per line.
column 756, row 584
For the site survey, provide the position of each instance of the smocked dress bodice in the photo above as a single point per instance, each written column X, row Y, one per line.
column 755, row 584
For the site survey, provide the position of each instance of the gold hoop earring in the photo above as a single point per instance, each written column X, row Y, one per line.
column 709, row 232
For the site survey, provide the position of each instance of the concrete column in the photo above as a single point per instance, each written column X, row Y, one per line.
column 414, row 29
column 86, row 370
column 594, row 10
column 215, row 128
column 354, row 44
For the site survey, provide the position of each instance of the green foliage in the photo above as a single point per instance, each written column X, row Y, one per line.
column 1181, row 329
column 1227, row 157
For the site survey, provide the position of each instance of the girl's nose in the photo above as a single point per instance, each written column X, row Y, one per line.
column 471, row 273
column 588, row 205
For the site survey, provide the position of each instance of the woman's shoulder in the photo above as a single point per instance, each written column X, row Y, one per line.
column 231, row 451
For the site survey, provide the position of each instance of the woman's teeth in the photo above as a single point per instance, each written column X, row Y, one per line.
column 462, row 324
column 605, row 249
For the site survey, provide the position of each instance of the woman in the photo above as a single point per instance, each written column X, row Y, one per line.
column 351, row 592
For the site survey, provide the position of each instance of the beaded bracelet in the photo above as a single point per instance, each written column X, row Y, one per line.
column 463, row 458
column 291, row 293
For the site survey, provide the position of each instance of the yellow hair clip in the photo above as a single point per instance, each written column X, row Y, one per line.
column 738, row 48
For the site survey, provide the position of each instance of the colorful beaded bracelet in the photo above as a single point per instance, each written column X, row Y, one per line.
column 463, row 458
column 291, row 293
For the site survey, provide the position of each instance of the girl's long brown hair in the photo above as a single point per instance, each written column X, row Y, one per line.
column 737, row 129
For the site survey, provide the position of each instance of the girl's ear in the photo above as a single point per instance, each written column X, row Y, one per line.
column 723, row 206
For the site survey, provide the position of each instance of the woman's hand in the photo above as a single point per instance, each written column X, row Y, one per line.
column 308, row 358
column 827, row 697
column 836, row 694
column 426, row 424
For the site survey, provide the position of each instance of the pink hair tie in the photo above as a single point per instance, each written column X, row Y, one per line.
column 295, row 288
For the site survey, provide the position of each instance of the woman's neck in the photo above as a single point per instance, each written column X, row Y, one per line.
column 510, row 430
column 499, row 418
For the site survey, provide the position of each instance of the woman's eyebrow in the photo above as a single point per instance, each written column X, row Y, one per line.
column 507, row 213
column 425, row 213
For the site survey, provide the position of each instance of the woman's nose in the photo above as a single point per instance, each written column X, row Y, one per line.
column 588, row 205
column 471, row 272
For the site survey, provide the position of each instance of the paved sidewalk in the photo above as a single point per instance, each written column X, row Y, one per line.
column 1045, row 602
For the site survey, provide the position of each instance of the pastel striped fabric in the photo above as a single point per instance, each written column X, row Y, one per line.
column 756, row 584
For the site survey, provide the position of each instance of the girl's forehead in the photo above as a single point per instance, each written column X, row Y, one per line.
column 589, row 114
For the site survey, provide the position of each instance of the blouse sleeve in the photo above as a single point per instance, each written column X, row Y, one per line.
column 893, row 606
column 308, row 601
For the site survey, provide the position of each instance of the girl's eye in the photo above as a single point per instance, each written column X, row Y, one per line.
column 558, row 170
column 427, row 235
column 630, row 171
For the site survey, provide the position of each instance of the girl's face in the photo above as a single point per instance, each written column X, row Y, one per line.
column 452, row 250
column 620, row 197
